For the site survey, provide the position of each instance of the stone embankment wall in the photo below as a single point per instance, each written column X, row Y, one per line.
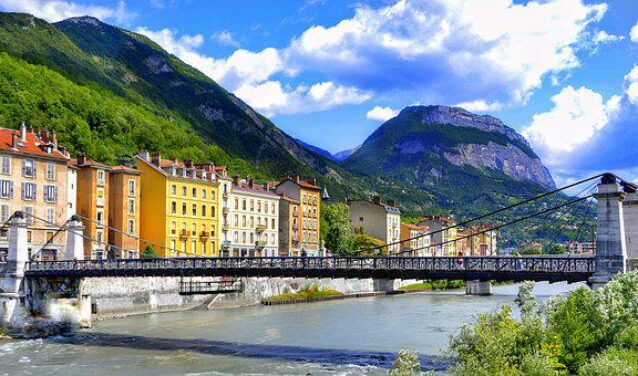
column 114, row 297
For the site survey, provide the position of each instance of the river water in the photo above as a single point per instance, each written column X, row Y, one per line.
column 347, row 337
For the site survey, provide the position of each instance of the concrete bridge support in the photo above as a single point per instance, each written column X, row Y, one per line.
column 611, row 247
column 481, row 288
column 12, row 312
column 630, row 211
column 74, row 241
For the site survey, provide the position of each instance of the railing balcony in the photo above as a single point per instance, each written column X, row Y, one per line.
column 225, row 194
column 225, row 227
column 225, row 210
column 260, row 244
column 261, row 228
column 184, row 235
column 204, row 235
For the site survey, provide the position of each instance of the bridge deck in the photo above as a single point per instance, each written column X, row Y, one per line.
column 499, row 268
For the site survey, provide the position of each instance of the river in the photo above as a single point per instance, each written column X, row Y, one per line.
column 346, row 337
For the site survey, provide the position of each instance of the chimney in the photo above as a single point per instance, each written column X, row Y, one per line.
column 175, row 160
column 144, row 154
column 156, row 157
column 54, row 138
column 15, row 138
column 236, row 179
column 391, row 203
column 297, row 179
column 376, row 199
column 30, row 128
column 81, row 159
column 23, row 131
column 251, row 183
column 188, row 163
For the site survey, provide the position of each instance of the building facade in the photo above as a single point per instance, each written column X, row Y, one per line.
column 382, row 221
column 124, row 212
column 34, row 179
column 179, row 211
column 93, row 205
column 444, row 234
column 254, row 220
column 415, row 240
column 308, row 196
column 289, row 229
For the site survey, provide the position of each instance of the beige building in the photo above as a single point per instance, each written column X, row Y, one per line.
column 34, row 179
column 382, row 221
column 306, row 218
column 415, row 240
column 444, row 232
column 254, row 220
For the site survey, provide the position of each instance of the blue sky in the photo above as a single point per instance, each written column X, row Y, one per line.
column 331, row 71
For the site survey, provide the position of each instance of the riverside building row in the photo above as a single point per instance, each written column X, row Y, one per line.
column 167, row 207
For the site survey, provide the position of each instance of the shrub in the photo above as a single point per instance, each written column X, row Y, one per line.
column 613, row 362
column 407, row 364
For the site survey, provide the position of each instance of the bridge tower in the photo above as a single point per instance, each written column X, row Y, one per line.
column 630, row 214
column 11, row 310
column 611, row 247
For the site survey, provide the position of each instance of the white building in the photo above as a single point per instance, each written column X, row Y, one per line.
column 382, row 221
column 254, row 220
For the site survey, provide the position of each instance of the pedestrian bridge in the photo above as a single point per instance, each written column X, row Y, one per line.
column 497, row 268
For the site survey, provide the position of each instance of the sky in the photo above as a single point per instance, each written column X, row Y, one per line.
column 329, row 72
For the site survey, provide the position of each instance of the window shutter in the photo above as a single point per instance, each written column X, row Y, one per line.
column 24, row 191
column 35, row 191
column 55, row 194
column 10, row 189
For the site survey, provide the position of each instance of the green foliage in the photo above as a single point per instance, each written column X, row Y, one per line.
column 443, row 284
column 588, row 333
column 336, row 229
column 406, row 364
column 364, row 242
column 557, row 249
column 310, row 292
column 149, row 253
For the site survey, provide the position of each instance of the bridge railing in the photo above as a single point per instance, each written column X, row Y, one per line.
column 473, row 263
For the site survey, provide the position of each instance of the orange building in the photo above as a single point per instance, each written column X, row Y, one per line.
column 92, row 204
column 124, row 211
column 309, row 197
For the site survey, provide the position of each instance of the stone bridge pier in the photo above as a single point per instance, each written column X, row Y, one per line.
column 22, row 302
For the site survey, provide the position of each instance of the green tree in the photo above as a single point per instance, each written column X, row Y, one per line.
column 335, row 228
column 149, row 253
column 364, row 242
column 407, row 364
column 557, row 249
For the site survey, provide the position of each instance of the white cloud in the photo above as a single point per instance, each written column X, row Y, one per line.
column 226, row 38
column 603, row 37
column 463, row 50
column 576, row 116
column 382, row 113
column 631, row 80
column 54, row 11
column 481, row 106
column 633, row 33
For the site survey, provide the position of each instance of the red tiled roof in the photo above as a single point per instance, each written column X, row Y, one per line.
column 88, row 163
column 301, row 183
column 126, row 169
column 29, row 146
column 291, row 200
column 256, row 188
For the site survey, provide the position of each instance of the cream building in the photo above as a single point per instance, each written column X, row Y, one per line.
column 415, row 240
column 254, row 220
column 382, row 221
column 34, row 179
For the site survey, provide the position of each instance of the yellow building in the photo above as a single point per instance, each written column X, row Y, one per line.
column 179, row 208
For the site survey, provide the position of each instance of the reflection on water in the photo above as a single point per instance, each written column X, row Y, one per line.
column 346, row 337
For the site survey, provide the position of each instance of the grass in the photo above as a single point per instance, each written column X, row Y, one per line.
column 311, row 292
column 433, row 285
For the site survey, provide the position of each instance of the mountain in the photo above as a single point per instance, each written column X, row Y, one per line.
column 342, row 155
column 456, row 155
column 111, row 92
column 315, row 149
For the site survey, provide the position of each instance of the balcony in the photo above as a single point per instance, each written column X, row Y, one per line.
column 225, row 194
column 225, row 227
column 261, row 228
column 226, row 244
column 203, row 235
column 260, row 244
column 184, row 235
column 295, row 226
column 225, row 210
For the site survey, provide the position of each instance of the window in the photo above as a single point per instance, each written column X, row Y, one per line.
column 252, row 205
column 173, row 207
column 194, row 229
column 236, row 237
column 99, row 218
column 50, row 171
column 131, row 187
column 212, row 195
column 100, row 197
column 236, row 220
column 193, row 247
column 266, row 207
column 101, row 177
column 204, row 210
column 173, row 189
column 131, row 206
column 252, row 237
column 28, row 168
column 50, row 193
column 99, row 235
column 194, row 192
column 5, row 165
column 194, row 210
column 173, row 246
column 236, row 204
column 173, row 228
column 131, row 227
column 259, row 206
column 212, row 212
column 243, row 221
column 184, row 208
column 183, row 191
column 4, row 213
column 29, row 191
column 6, row 189
column 50, row 215
column 272, row 223
column 360, row 219
column 30, row 213
column 204, row 194
column 243, row 204
column 203, row 248
column 243, row 237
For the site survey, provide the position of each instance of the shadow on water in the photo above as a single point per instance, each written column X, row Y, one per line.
column 244, row 350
